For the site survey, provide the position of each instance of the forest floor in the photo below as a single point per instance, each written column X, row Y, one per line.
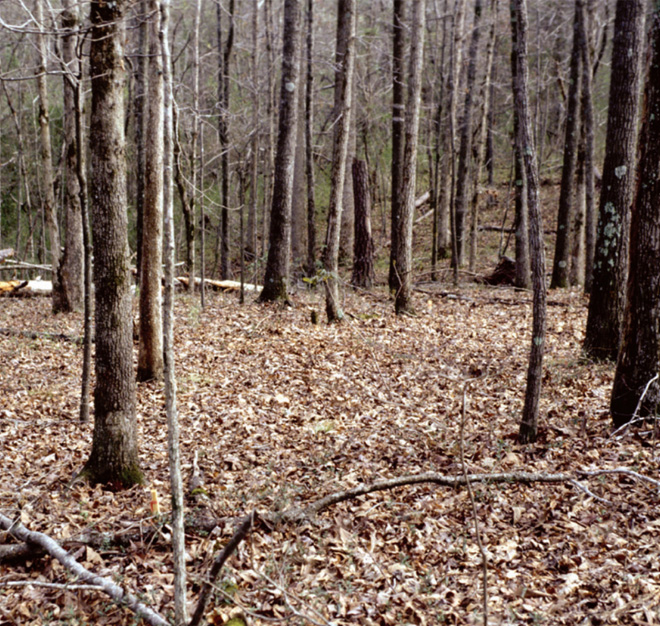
column 281, row 412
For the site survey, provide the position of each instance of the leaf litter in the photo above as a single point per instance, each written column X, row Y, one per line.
column 282, row 412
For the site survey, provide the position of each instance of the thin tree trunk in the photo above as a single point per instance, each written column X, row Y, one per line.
column 277, row 266
column 251, row 244
column 525, row 139
column 465, row 149
column 636, row 386
column 141, row 86
column 173, row 449
column 607, row 300
column 403, row 300
column 345, row 58
column 560, row 265
column 309, row 149
column 114, row 457
column 150, row 353
column 49, row 208
column 483, row 133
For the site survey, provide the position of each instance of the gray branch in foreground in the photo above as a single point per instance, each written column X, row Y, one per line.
column 119, row 595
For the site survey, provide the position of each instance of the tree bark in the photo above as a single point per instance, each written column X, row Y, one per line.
column 114, row 456
column 49, row 208
column 277, row 266
column 363, row 244
column 525, row 139
column 309, row 151
column 465, row 147
column 69, row 296
column 403, row 258
column 639, row 357
column 560, row 265
column 345, row 58
column 398, row 143
column 150, row 353
column 607, row 300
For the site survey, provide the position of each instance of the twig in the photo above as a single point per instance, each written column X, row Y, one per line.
column 475, row 517
column 119, row 595
column 635, row 419
column 39, row 583
column 29, row 334
column 219, row 561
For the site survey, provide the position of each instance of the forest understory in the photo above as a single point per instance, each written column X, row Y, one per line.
column 282, row 412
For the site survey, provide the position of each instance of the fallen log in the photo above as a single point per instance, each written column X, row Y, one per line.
column 26, row 288
column 30, row 334
column 219, row 285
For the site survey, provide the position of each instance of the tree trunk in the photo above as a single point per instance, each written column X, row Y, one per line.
column 588, row 125
column 114, row 456
column 345, row 59
column 49, row 208
column 173, row 448
column 611, row 256
column 525, row 140
column 523, row 279
column 403, row 259
column 398, row 112
column 150, row 353
column 250, row 250
column 309, row 151
column 69, row 296
column 639, row 357
column 560, row 265
column 465, row 149
column 277, row 266
column 141, row 85
column 363, row 244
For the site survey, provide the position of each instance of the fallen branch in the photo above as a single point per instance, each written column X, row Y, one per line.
column 119, row 595
column 219, row 561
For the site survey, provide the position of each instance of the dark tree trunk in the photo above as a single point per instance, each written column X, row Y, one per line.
column 398, row 110
column 560, row 265
column 639, row 357
column 114, row 455
column 363, row 244
column 525, row 140
column 277, row 266
column 611, row 255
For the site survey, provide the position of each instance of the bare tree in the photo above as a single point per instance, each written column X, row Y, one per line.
column 114, row 455
column 345, row 59
column 525, row 141
column 277, row 266
column 403, row 253
column 150, row 354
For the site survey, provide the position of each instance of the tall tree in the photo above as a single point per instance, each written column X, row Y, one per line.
column 398, row 111
column 150, row 353
column 525, row 141
column 114, row 455
column 277, row 266
column 636, row 377
column 465, row 147
column 403, row 253
column 309, row 152
column 345, row 64
column 69, row 297
column 224, row 56
column 49, row 208
column 363, row 243
column 560, row 264
column 611, row 256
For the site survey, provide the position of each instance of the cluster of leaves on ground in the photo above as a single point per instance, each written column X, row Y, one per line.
column 281, row 411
